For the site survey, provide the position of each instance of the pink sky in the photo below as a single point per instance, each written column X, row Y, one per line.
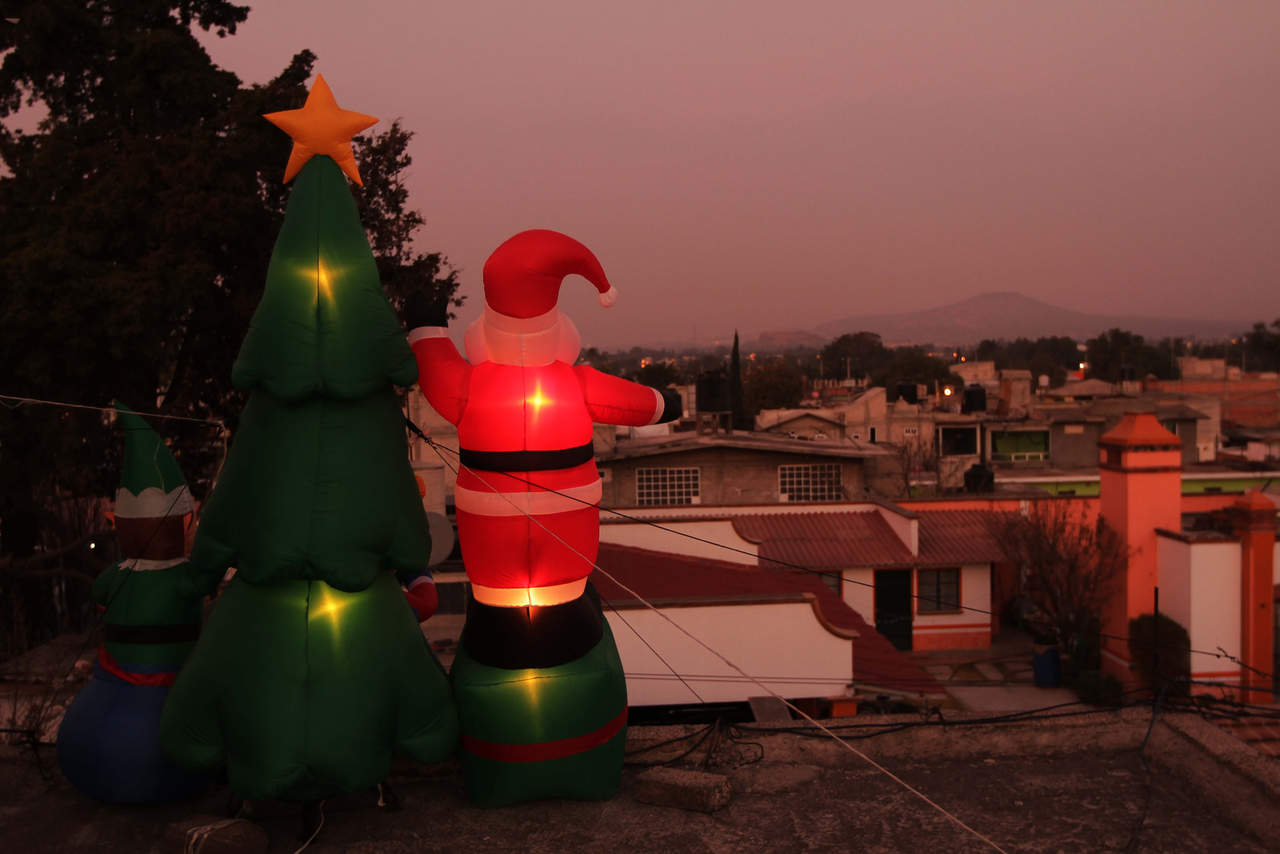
column 762, row 165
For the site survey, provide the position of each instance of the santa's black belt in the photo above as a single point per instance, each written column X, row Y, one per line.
column 180, row 633
column 527, row 460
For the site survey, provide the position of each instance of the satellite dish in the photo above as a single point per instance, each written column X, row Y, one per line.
column 442, row 537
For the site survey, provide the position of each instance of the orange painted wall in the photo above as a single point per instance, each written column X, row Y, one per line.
column 976, row 639
column 1256, row 526
column 1144, row 494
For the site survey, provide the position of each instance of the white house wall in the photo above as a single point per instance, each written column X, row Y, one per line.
column 970, row 627
column 782, row 644
column 906, row 527
column 859, row 592
column 1173, row 559
column 1215, row 608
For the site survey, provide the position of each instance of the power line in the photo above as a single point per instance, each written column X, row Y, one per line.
column 733, row 666
column 659, row 656
column 22, row 401
column 1221, row 654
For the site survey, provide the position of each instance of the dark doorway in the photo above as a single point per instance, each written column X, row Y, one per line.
column 893, row 606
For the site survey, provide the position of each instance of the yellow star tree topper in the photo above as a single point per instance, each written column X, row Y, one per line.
column 321, row 127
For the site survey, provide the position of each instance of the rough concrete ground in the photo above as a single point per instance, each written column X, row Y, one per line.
column 1073, row 784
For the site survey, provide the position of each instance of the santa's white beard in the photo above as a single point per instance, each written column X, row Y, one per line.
column 527, row 342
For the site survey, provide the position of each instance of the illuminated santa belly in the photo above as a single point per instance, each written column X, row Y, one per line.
column 528, row 537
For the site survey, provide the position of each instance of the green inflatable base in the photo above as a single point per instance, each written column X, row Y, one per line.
column 553, row 732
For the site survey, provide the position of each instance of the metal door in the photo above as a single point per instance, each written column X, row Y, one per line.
column 893, row 606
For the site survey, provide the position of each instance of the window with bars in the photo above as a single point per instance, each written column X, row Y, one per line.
column 811, row 482
column 657, row 487
column 938, row 590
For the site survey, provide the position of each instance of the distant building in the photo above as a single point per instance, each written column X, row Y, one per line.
column 1248, row 400
column 975, row 372
column 818, row 424
column 689, row 468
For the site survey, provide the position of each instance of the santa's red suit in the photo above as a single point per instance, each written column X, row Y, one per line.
column 528, row 488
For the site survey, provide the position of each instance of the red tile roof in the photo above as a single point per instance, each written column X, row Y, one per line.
column 877, row 664
column 865, row 539
column 824, row 540
column 957, row 537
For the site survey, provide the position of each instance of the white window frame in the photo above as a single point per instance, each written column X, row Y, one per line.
column 668, row 486
column 808, row 476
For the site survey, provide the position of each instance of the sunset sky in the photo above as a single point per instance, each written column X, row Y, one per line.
column 767, row 166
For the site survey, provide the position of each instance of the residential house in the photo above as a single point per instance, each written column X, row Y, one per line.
column 1220, row 588
column 787, row 629
column 1249, row 400
column 976, row 372
column 923, row 579
column 792, row 635
column 815, row 424
column 689, row 468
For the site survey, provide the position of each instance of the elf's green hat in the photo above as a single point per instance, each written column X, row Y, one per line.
column 151, row 484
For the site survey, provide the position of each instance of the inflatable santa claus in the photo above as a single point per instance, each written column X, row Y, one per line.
column 539, row 687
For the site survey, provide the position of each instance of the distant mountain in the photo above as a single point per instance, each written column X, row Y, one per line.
column 1005, row 314
column 789, row 339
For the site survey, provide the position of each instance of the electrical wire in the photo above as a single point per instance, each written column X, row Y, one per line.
column 1221, row 654
column 314, row 833
column 703, row 734
column 742, row 672
column 22, row 401
column 644, row 641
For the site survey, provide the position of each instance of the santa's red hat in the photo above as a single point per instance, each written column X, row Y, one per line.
column 522, row 277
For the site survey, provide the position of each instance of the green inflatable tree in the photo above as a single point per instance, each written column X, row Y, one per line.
column 311, row 670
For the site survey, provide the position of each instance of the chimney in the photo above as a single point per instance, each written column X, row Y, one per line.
column 1140, row 469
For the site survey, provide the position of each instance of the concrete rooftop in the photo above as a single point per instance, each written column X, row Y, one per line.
column 1069, row 784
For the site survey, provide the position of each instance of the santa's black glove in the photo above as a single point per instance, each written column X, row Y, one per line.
column 426, row 309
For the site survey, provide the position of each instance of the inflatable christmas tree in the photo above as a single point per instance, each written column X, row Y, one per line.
column 312, row 671
column 108, row 743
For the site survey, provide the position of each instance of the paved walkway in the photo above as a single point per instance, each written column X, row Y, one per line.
column 998, row 679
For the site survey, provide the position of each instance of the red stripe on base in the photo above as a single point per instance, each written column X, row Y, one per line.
column 110, row 665
column 545, row 750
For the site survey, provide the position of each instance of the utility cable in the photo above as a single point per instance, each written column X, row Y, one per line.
column 742, row 672
column 22, row 401
column 640, row 519
column 657, row 654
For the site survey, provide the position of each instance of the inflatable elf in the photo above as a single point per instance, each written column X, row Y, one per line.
column 312, row 671
column 539, row 686
column 109, row 740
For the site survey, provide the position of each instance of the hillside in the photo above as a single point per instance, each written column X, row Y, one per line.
column 1006, row 314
